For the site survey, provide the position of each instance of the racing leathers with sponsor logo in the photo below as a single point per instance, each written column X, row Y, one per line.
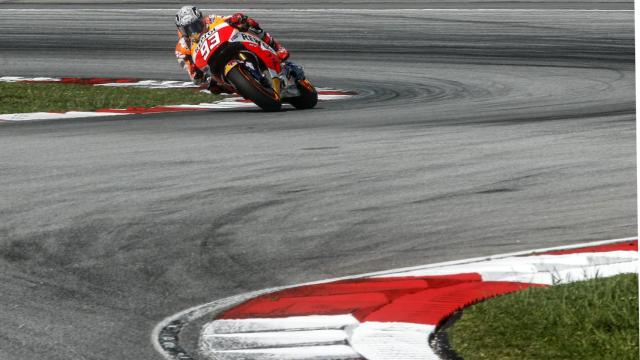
column 191, row 25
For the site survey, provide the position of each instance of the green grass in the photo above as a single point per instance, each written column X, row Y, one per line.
column 36, row 97
column 595, row 319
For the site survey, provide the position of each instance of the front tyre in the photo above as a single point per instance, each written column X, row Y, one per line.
column 308, row 96
column 251, row 89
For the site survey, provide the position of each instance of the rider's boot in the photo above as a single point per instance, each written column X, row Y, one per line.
column 293, row 70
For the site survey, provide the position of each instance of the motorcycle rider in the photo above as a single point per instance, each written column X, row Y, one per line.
column 192, row 24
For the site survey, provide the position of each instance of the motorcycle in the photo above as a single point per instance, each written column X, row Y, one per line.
column 246, row 65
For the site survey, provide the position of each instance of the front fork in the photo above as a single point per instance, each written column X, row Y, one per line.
column 275, row 83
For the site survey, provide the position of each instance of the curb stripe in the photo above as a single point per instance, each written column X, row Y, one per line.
column 357, row 297
column 312, row 322
column 152, row 110
column 625, row 246
column 388, row 340
column 95, row 81
column 431, row 307
column 484, row 259
column 389, row 307
column 374, row 340
column 226, row 103
column 331, row 352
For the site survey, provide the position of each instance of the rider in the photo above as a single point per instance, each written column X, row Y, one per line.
column 191, row 25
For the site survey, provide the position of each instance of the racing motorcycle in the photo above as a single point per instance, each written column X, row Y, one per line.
column 246, row 65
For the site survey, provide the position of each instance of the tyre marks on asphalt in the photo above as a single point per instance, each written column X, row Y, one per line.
column 387, row 315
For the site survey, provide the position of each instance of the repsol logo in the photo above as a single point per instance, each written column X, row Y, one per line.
column 250, row 38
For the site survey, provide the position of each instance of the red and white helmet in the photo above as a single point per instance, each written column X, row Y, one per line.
column 189, row 20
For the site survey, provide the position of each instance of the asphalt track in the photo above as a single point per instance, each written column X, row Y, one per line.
column 476, row 132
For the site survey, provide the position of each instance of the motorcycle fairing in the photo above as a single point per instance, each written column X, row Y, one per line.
column 212, row 41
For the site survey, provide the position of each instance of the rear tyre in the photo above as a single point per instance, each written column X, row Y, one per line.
column 252, row 90
column 308, row 96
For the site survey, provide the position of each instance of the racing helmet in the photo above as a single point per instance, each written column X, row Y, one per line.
column 189, row 21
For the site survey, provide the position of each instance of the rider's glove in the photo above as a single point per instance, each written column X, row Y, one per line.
column 198, row 77
column 239, row 21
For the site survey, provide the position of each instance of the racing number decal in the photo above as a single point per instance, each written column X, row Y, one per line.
column 208, row 43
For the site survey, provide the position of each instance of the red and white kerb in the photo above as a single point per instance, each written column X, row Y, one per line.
column 391, row 315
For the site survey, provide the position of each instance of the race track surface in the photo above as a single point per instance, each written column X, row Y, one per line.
column 475, row 132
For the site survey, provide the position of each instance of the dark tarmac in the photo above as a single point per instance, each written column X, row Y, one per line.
column 476, row 132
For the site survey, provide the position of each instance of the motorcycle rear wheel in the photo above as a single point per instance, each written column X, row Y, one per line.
column 252, row 90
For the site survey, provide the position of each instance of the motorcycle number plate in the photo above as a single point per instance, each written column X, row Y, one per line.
column 208, row 44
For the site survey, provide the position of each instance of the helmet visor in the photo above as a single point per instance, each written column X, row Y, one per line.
column 194, row 28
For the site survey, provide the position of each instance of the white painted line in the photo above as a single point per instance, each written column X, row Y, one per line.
column 331, row 352
column 570, row 275
column 333, row 97
column 381, row 340
column 55, row 116
column 153, row 84
column 492, row 257
column 515, row 266
column 315, row 322
column 274, row 339
column 228, row 103
column 19, row 78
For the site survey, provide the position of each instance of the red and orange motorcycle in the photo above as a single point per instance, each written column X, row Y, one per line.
column 249, row 67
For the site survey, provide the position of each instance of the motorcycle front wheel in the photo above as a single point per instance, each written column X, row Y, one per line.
column 252, row 89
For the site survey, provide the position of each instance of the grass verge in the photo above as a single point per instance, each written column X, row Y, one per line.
column 594, row 319
column 52, row 97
